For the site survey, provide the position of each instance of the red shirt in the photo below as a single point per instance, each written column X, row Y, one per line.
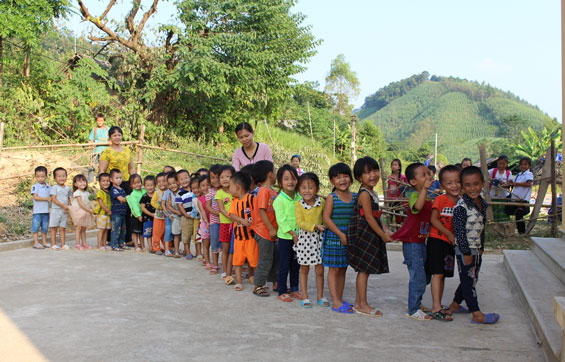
column 265, row 198
column 416, row 227
column 445, row 207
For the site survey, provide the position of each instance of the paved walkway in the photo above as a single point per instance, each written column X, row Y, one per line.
column 108, row 306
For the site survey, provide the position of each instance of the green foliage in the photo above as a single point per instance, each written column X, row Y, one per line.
column 22, row 193
column 341, row 85
column 535, row 144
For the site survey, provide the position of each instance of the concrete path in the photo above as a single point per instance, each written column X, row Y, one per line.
column 108, row 306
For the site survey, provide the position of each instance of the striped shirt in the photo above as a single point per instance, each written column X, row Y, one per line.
column 242, row 208
column 186, row 199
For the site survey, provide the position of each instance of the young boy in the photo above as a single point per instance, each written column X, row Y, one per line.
column 265, row 227
column 148, row 210
column 103, row 210
column 245, row 246
column 41, row 194
column 195, row 214
column 440, row 250
column 469, row 219
column 171, row 208
column 435, row 189
column 159, row 217
column 119, row 211
column 185, row 200
column 61, row 199
column 413, row 235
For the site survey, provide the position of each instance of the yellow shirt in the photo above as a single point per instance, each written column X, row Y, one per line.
column 307, row 217
column 156, row 203
column 106, row 199
column 119, row 160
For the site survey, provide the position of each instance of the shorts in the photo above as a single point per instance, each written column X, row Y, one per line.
column 103, row 222
column 148, row 229
column 440, row 257
column 175, row 225
column 225, row 233
column 196, row 231
column 58, row 218
column 136, row 225
column 215, row 244
column 231, row 243
column 204, row 232
column 246, row 249
column 187, row 227
column 168, row 236
column 40, row 221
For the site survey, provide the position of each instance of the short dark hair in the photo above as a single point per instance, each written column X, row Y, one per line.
column 340, row 169
column 432, row 168
column 182, row 171
column 160, row 174
column 458, row 165
column 503, row 157
column 471, row 170
column 243, row 126
column 171, row 167
column 171, row 175
column 133, row 177
column 446, row 169
column 99, row 115
column 149, row 178
column 58, row 169
column 103, row 174
column 411, row 170
column 247, row 168
column 215, row 169
column 261, row 169
column 467, row 159
column 308, row 176
column 114, row 171
column 200, row 170
column 364, row 164
column 194, row 180
column 204, row 177
column 282, row 170
column 527, row 159
column 226, row 168
column 40, row 169
column 115, row 129
column 242, row 179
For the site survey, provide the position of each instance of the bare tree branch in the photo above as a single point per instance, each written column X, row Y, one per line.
column 131, row 16
column 112, row 2
column 146, row 17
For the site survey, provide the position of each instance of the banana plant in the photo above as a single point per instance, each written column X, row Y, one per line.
column 535, row 144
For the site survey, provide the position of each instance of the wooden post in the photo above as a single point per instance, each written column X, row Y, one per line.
column 484, row 170
column 563, row 97
column 353, row 137
column 310, row 120
column 334, row 138
column 140, row 149
column 544, row 184
column 269, row 132
column 559, row 313
column 383, row 176
column 1, row 136
column 555, row 211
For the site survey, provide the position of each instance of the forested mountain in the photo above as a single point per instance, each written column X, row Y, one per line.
column 461, row 112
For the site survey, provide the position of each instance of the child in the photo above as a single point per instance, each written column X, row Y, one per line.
column 295, row 162
column 119, row 211
column 366, row 249
column 245, row 246
column 103, row 210
column 61, row 199
column 435, row 189
column 159, row 217
column 265, row 227
column 469, row 219
column 195, row 214
column 223, row 198
column 440, row 254
column 337, row 214
column 172, row 209
column 308, row 247
column 136, row 220
column 80, row 211
column 168, row 169
column 466, row 162
column 40, row 192
column 214, row 211
column 148, row 210
column 204, row 220
column 253, row 189
column 522, row 192
column 395, row 188
column 184, row 201
column 413, row 235
column 287, row 232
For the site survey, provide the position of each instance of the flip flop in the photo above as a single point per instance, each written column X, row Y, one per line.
column 461, row 310
column 372, row 313
column 229, row 280
column 490, row 318
column 38, row 246
column 324, row 302
column 261, row 292
column 285, row 298
column 238, row 287
column 296, row 295
column 441, row 316
column 305, row 303
column 344, row 308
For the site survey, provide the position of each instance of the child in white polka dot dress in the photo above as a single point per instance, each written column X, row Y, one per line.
column 308, row 247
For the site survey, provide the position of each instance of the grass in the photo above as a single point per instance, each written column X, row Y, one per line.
column 495, row 243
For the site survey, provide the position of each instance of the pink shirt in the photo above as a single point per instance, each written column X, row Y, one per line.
column 214, row 219
column 240, row 159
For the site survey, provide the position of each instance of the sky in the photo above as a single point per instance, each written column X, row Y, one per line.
column 514, row 45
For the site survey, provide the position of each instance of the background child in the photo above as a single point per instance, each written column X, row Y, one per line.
column 366, row 249
column 148, row 211
column 184, row 201
column 469, row 219
column 41, row 194
column 168, row 236
column 435, row 189
column 119, row 211
column 522, row 192
column 466, row 162
column 253, row 189
column 287, row 232
column 159, row 222
column 195, row 214
column 103, row 210
column 295, row 162
column 136, row 219
column 440, row 255
column 501, row 178
column 60, row 201
column 337, row 214
column 80, row 211
column 395, row 188
column 172, row 208
column 265, row 227
column 223, row 198
column 308, row 247
column 413, row 235
column 204, row 220
column 214, row 211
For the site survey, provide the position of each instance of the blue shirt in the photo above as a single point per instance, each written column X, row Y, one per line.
column 101, row 136
column 41, row 207
column 118, row 208
column 435, row 186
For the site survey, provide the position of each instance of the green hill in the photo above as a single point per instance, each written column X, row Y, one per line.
column 461, row 112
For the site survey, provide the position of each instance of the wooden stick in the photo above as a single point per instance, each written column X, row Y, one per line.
column 140, row 150
column 1, row 135
column 484, row 170
column 508, row 203
column 68, row 145
column 33, row 173
column 269, row 132
column 553, row 190
column 183, row 152
column 541, row 193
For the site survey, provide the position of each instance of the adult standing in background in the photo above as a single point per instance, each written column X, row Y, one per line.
column 250, row 151
column 99, row 134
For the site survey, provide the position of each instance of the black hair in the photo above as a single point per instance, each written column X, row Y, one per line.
column 448, row 168
column 200, row 170
column 79, row 177
column 171, row 167
column 243, row 126
column 99, row 115
column 397, row 160
column 308, row 176
column 103, row 174
column 132, row 178
column 502, row 157
column 183, row 171
column 204, row 178
column 261, row 169
column 59, row 169
column 149, row 178
column 40, row 169
column 411, row 170
column 194, row 180
column 160, row 174
column 282, row 170
column 242, row 179
column 115, row 129
column 226, row 168
column 247, row 168
column 215, row 169
column 432, row 168
column 469, row 171
column 340, row 169
column 527, row 159
column 466, row 159
column 171, row 174
column 364, row 164
column 114, row 171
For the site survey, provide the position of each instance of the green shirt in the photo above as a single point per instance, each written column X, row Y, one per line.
column 224, row 200
column 284, row 211
column 133, row 200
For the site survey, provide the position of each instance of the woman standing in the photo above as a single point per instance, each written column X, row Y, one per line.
column 250, row 151
column 117, row 156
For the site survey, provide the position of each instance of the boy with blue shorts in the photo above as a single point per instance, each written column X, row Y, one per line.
column 41, row 194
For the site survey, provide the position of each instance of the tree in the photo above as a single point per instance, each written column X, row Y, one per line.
column 535, row 144
column 342, row 84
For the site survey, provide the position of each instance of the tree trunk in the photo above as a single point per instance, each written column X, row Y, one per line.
column 353, row 137
column 1, row 59
column 26, row 71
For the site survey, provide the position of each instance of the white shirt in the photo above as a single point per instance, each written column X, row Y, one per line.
column 523, row 192
column 504, row 177
column 84, row 195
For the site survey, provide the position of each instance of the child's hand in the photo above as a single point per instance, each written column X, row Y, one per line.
column 295, row 238
column 109, row 213
column 428, row 183
column 320, row 228
column 387, row 238
column 451, row 239
column 343, row 238
column 272, row 233
column 140, row 219
column 467, row 259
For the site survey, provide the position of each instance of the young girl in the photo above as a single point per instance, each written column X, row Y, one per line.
column 522, row 192
column 136, row 219
column 102, row 210
column 366, row 249
column 214, row 212
column 287, row 232
column 308, row 247
column 337, row 213
column 295, row 162
column 80, row 211
column 501, row 178
column 204, row 220
column 195, row 214
column 396, row 185
column 223, row 199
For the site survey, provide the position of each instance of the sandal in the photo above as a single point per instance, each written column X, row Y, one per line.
column 324, row 302
column 305, row 303
column 344, row 308
column 169, row 254
column 86, row 246
column 158, row 252
column 285, row 298
column 461, row 310
column 261, row 292
column 419, row 315
column 38, row 246
column 296, row 295
column 117, row 249
column 177, row 255
column 79, row 247
column 199, row 258
column 213, row 272
column 229, row 280
column 208, row 266
column 373, row 313
column 238, row 287
column 490, row 318
column 442, row 316
column 189, row 257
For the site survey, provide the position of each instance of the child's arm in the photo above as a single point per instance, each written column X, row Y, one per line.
column 104, row 207
column 460, row 231
column 364, row 199
column 239, row 220
column 169, row 204
column 145, row 211
column 327, row 217
column 267, row 222
column 59, row 203
column 224, row 212
column 155, row 202
column 434, row 219
column 203, row 214
column 182, row 211
column 83, row 206
column 39, row 198
column 134, row 206
column 165, row 208
column 209, row 208
column 421, row 201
